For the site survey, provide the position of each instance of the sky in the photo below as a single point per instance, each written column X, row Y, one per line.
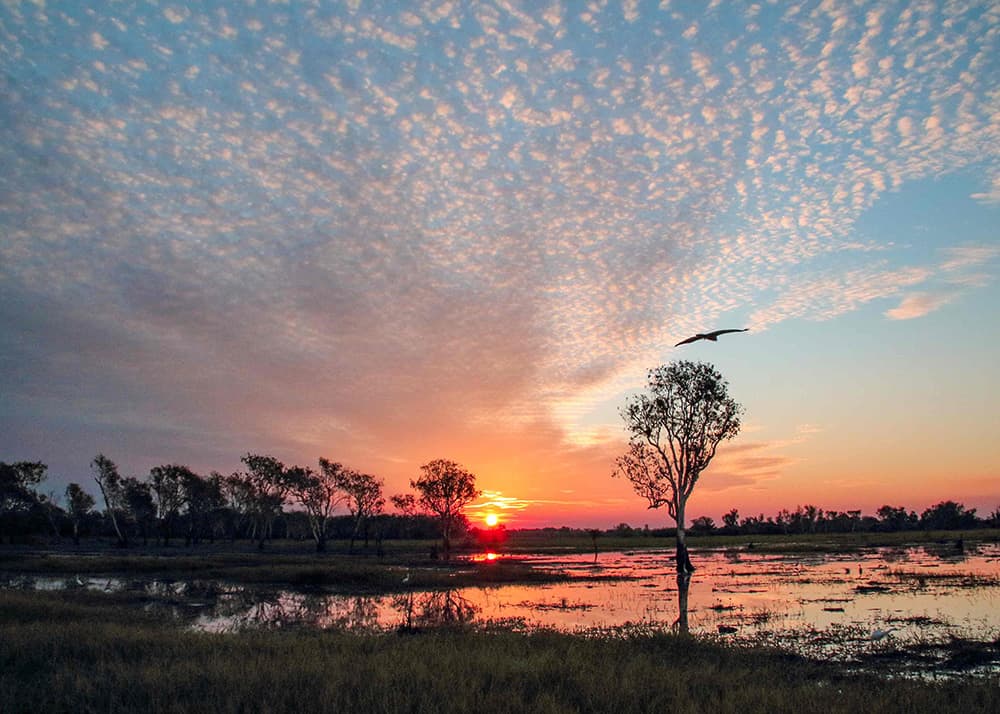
column 387, row 232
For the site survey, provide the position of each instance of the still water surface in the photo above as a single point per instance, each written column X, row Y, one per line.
column 824, row 605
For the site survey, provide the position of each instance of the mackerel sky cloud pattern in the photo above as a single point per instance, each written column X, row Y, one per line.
column 314, row 224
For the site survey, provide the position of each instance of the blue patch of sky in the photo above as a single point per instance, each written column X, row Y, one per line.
column 926, row 216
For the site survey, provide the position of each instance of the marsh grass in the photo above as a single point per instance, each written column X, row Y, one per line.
column 923, row 578
column 342, row 573
column 84, row 652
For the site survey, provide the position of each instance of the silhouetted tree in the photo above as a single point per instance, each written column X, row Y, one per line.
column 731, row 520
column 262, row 490
column 139, row 506
column 809, row 519
column 674, row 431
column 203, row 501
column 406, row 504
column 167, row 487
column 594, row 534
column 784, row 520
column 54, row 514
column 319, row 494
column 240, row 502
column 79, row 503
column 112, row 491
column 17, row 495
column 364, row 499
column 445, row 489
column 896, row 518
column 948, row 515
column 754, row 524
column 623, row 530
column 703, row 525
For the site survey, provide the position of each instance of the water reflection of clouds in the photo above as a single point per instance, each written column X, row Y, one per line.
column 810, row 603
column 759, row 595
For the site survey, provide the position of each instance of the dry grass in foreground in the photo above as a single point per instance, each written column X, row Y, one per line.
column 61, row 652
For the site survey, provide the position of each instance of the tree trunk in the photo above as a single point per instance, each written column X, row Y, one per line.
column 262, row 533
column 683, row 560
column 122, row 535
column 122, row 539
column 446, row 539
column 50, row 514
column 76, row 532
column 683, row 583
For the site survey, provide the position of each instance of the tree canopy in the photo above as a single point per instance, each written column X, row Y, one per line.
column 675, row 428
column 445, row 489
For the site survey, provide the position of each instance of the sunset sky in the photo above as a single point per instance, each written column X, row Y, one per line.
column 388, row 232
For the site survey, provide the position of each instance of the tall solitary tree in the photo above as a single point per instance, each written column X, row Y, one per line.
column 674, row 430
column 445, row 489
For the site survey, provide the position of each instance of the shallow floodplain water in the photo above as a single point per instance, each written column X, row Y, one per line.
column 822, row 605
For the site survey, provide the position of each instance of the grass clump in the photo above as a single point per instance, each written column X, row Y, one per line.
column 84, row 652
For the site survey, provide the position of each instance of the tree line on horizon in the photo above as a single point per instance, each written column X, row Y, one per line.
column 810, row 519
column 174, row 501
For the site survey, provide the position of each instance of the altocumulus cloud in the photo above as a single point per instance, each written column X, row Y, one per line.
column 312, row 224
column 918, row 305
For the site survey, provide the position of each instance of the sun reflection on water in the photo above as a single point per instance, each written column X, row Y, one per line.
column 821, row 605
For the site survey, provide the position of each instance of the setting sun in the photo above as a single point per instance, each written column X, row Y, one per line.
column 492, row 519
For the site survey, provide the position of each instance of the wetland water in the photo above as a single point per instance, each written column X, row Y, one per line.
column 822, row 605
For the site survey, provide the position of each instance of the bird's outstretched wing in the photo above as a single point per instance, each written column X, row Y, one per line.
column 713, row 336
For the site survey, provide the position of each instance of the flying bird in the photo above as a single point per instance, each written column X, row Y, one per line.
column 713, row 336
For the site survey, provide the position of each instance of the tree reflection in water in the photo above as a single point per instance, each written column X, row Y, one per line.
column 357, row 613
column 436, row 608
column 683, row 584
column 245, row 609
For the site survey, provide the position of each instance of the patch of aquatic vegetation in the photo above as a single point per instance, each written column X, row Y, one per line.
column 561, row 604
column 954, row 658
column 908, row 651
column 944, row 579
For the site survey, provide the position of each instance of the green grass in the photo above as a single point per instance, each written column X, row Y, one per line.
column 86, row 653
